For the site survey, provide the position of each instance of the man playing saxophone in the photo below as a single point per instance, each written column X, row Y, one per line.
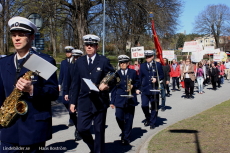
column 34, row 128
column 123, row 98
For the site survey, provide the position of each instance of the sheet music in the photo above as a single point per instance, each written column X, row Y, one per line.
column 90, row 84
column 40, row 66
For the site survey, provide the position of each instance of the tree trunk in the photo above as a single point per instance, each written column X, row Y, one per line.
column 53, row 40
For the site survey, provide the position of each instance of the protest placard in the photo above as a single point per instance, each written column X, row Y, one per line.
column 137, row 52
column 169, row 54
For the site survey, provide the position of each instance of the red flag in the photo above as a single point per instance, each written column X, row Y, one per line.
column 157, row 44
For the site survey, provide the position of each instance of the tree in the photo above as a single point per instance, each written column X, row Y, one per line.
column 213, row 20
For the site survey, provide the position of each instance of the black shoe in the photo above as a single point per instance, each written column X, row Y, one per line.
column 77, row 136
column 152, row 126
column 186, row 97
column 191, row 97
column 70, row 124
column 179, row 89
column 125, row 142
column 162, row 109
column 168, row 95
column 146, row 123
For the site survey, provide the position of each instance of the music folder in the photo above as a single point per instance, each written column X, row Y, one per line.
column 40, row 66
column 90, row 84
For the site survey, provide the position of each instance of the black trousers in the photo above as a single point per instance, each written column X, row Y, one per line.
column 167, row 89
column 124, row 117
column 189, row 86
column 85, row 120
column 175, row 81
column 213, row 80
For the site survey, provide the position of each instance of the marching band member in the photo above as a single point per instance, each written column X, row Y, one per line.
column 125, row 105
column 91, row 105
column 33, row 129
column 76, row 53
column 63, row 79
column 149, row 81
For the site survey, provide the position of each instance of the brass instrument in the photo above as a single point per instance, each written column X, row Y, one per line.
column 129, row 88
column 13, row 106
column 158, row 80
column 109, row 76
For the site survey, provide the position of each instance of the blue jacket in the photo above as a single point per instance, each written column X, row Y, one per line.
column 63, row 71
column 146, row 75
column 81, row 95
column 121, row 87
column 36, row 125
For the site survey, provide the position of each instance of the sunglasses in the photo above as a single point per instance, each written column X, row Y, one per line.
column 19, row 34
column 91, row 45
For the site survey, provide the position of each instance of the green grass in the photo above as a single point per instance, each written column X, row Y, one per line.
column 213, row 133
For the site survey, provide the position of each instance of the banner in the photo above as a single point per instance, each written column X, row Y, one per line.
column 217, row 57
column 137, row 52
column 196, row 57
column 169, row 54
column 209, row 50
column 192, row 46
column 157, row 44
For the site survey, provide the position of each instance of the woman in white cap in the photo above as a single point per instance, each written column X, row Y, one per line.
column 122, row 101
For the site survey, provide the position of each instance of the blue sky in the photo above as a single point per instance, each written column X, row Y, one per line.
column 191, row 9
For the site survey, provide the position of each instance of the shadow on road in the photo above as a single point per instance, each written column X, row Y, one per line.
column 160, row 121
column 61, row 147
column 117, row 147
column 59, row 127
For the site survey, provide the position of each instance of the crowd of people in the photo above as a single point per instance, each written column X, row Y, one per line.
column 78, row 75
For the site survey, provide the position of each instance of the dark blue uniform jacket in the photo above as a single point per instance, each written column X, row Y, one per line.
column 36, row 125
column 146, row 75
column 85, row 99
column 120, row 89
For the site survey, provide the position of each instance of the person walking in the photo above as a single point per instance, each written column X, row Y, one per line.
column 188, row 75
column 200, row 76
column 33, row 129
column 150, row 71
column 124, row 99
column 214, row 74
column 175, row 74
column 91, row 105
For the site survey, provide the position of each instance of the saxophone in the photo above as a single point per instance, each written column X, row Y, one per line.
column 13, row 106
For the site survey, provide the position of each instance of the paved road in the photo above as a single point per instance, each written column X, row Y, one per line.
column 177, row 108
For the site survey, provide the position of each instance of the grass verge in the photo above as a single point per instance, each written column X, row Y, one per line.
column 207, row 132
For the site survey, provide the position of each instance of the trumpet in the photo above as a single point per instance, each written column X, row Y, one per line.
column 129, row 88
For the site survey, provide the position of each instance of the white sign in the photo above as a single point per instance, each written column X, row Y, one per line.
column 209, row 50
column 196, row 57
column 217, row 51
column 169, row 54
column 137, row 52
column 192, row 46
column 217, row 57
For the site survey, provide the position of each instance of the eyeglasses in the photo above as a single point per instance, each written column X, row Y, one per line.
column 91, row 45
column 148, row 56
column 19, row 34
column 187, row 61
column 123, row 62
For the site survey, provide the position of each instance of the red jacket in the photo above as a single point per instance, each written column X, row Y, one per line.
column 176, row 72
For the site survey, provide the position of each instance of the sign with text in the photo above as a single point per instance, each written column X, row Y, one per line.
column 196, row 57
column 169, row 54
column 192, row 46
column 209, row 49
column 217, row 57
column 137, row 52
